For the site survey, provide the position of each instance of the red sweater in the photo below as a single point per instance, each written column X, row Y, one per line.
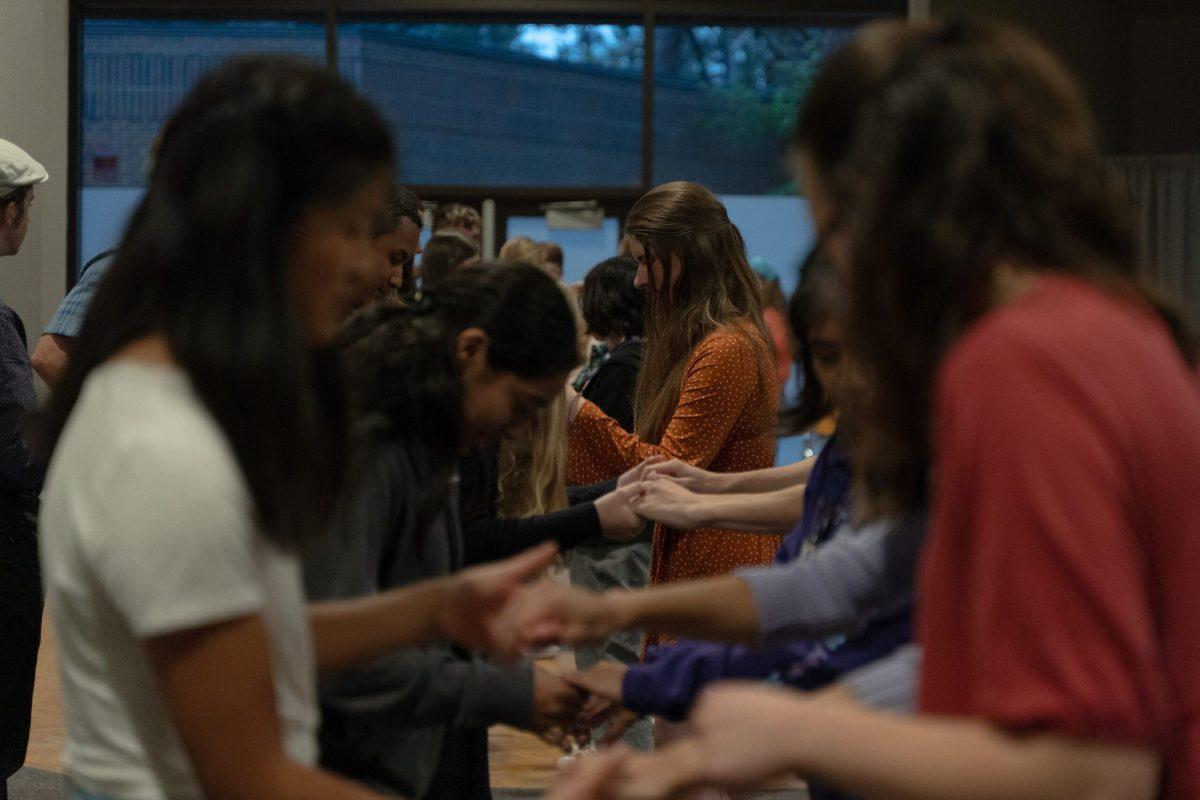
column 1059, row 586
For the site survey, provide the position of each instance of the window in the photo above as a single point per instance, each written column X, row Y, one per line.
column 582, row 249
column 726, row 98
column 504, row 104
column 484, row 103
column 133, row 75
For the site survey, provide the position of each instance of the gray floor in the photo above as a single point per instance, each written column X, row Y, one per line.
column 37, row 784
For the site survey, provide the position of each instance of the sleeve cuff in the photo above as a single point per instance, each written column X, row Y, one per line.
column 774, row 596
column 890, row 684
column 637, row 690
column 579, row 524
column 506, row 695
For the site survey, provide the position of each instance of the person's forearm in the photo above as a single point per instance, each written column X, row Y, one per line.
column 493, row 538
column 51, row 357
column 767, row 480
column 768, row 512
column 433, row 685
column 347, row 633
column 882, row 755
column 717, row 609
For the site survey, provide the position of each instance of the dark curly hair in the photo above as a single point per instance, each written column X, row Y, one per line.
column 404, row 378
column 612, row 306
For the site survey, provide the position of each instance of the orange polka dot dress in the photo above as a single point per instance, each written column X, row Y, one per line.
column 723, row 422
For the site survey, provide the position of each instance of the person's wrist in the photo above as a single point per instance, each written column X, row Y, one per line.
column 703, row 513
column 617, row 610
column 687, row 765
column 442, row 593
column 722, row 482
column 606, row 509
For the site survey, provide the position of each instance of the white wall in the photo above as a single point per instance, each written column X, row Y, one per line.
column 33, row 114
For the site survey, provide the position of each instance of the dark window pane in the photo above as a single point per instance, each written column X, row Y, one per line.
column 504, row 105
column 725, row 100
column 134, row 73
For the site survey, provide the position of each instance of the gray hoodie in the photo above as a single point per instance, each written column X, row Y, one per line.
column 384, row 723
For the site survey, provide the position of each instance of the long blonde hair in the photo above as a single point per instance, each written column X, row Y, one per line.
column 533, row 463
column 716, row 289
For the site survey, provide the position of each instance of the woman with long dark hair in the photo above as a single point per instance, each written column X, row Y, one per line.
column 707, row 391
column 1023, row 378
column 475, row 358
column 198, row 443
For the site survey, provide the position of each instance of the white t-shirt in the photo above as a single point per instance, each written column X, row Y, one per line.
column 147, row 529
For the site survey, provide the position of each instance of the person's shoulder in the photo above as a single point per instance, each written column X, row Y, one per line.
column 626, row 358
column 739, row 341
column 8, row 315
column 155, row 426
column 1062, row 325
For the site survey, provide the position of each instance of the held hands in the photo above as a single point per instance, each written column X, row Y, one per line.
column 665, row 490
column 618, row 520
column 622, row 774
column 603, row 682
column 669, row 502
column 481, row 605
column 739, row 731
column 549, row 611
column 558, row 709
column 686, row 475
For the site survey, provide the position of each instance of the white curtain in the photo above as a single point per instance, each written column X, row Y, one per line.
column 1166, row 194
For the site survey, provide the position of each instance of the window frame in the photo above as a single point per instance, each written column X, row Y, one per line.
column 510, row 200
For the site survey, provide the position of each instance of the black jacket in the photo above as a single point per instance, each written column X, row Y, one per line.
column 386, row 723
column 611, row 388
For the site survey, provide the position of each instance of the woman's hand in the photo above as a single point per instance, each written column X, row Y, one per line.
column 664, row 500
column 738, row 729
column 638, row 473
column 557, row 707
column 618, row 520
column 549, row 611
column 603, row 679
column 480, row 604
column 592, row 777
column 687, row 475
column 737, row 742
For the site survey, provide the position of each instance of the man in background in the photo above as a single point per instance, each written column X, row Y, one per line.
column 460, row 219
column 54, row 348
column 398, row 242
column 20, row 483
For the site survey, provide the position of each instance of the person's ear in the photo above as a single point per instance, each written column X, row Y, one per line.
column 472, row 348
column 8, row 217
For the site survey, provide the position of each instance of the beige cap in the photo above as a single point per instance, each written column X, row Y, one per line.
column 18, row 168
